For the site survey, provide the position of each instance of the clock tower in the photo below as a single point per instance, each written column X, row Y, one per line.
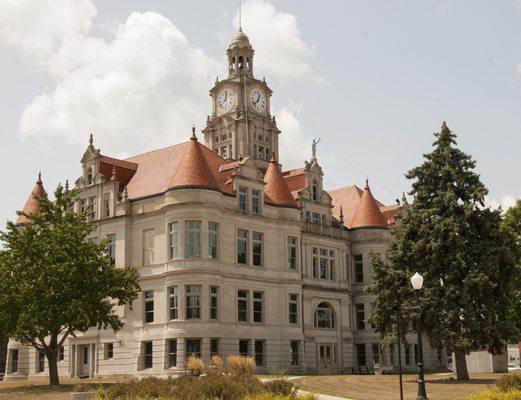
column 241, row 123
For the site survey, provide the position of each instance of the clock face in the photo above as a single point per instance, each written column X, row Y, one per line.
column 225, row 100
column 257, row 99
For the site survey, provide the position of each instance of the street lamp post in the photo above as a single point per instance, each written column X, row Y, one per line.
column 417, row 283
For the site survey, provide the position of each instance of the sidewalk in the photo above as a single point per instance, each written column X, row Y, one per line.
column 323, row 396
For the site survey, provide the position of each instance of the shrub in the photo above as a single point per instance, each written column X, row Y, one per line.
column 82, row 388
column 144, row 388
column 241, row 365
column 509, row 382
column 224, row 387
column 496, row 394
column 279, row 386
column 272, row 396
column 195, row 364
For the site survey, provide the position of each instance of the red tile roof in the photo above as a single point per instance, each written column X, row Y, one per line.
column 193, row 170
column 276, row 189
column 368, row 214
column 32, row 205
column 157, row 169
column 125, row 170
column 296, row 180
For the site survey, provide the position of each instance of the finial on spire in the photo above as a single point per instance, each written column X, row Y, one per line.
column 341, row 215
column 194, row 136
column 273, row 158
column 366, row 183
column 91, row 140
column 240, row 16
column 66, row 186
column 39, row 177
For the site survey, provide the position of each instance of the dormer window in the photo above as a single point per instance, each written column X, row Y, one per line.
column 90, row 176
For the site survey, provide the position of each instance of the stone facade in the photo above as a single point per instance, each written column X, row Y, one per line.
column 235, row 256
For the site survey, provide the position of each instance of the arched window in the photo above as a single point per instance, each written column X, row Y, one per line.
column 89, row 176
column 241, row 62
column 324, row 316
column 315, row 191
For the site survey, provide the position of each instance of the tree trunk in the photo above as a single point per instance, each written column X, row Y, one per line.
column 462, row 374
column 52, row 358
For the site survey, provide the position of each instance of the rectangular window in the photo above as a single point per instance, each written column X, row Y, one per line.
column 242, row 246
column 193, row 348
column 147, row 352
column 112, row 249
column 148, row 247
column 61, row 356
column 376, row 353
column 172, row 353
column 193, row 301
column 440, row 356
column 331, row 265
column 315, row 262
column 193, row 239
column 213, row 231
column 173, row 294
column 106, row 207
column 360, row 354
column 93, row 208
column 258, row 307
column 259, row 352
column 14, row 361
column 109, row 350
column 214, row 301
column 257, row 248
column 408, row 355
column 359, row 268
column 360, row 316
column 41, row 361
column 148, row 295
column 315, row 218
column 292, row 252
column 83, row 206
column 174, row 240
column 294, row 353
column 242, row 306
column 323, row 264
column 244, row 348
column 293, row 308
column 243, row 198
column 214, row 347
column 255, row 201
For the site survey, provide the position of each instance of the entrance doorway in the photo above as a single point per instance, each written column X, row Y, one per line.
column 84, row 361
column 326, row 360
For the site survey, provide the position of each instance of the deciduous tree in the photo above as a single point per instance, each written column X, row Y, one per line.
column 56, row 281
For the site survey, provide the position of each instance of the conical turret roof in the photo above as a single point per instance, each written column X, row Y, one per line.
column 368, row 214
column 276, row 188
column 193, row 170
column 32, row 205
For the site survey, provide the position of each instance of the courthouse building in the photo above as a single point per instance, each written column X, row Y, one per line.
column 235, row 254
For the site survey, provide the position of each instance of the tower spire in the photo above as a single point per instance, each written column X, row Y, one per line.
column 240, row 16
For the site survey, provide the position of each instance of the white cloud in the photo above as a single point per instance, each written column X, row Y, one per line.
column 277, row 40
column 294, row 146
column 146, row 84
column 505, row 203
column 142, row 88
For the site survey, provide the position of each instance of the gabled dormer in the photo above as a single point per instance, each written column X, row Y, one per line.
column 90, row 163
column 248, row 186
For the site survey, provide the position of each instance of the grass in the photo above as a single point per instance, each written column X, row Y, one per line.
column 39, row 389
column 370, row 387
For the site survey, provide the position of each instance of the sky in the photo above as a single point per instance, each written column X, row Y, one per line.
column 373, row 79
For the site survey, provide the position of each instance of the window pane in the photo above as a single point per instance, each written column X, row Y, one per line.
column 174, row 240
column 242, row 246
column 193, row 239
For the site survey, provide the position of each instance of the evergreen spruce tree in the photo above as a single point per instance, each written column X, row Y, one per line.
column 455, row 242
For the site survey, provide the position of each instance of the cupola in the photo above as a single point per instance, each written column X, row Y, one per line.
column 240, row 55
